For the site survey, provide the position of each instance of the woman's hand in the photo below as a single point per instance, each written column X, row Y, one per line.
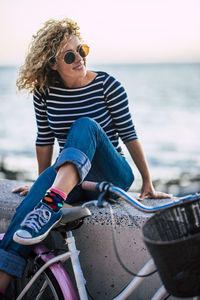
column 22, row 190
column 148, row 191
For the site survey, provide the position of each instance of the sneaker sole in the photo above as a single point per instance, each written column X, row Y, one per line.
column 18, row 239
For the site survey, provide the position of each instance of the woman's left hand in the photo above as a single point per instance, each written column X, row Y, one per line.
column 148, row 191
column 22, row 190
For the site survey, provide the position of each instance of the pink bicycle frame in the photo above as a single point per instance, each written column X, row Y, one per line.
column 58, row 271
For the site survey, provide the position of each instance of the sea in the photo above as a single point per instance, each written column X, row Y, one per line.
column 164, row 101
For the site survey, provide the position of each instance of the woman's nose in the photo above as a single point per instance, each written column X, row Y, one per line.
column 78, row 57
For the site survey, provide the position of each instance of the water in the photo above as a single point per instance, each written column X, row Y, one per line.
column 164, row 102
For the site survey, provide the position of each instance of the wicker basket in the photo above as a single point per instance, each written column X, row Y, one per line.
column 172, row 236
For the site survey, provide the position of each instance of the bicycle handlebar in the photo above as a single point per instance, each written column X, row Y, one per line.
column 106, row 186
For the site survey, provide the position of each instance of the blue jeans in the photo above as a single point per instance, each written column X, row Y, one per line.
column 96, row 159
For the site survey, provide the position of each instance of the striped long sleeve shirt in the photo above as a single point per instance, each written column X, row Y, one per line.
column 104, row 100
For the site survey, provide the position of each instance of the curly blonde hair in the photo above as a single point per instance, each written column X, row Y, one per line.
column 43, row 50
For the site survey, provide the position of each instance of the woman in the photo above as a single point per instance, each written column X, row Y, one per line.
column 86, row 112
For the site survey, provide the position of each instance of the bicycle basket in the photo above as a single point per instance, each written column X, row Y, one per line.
column 172, row 237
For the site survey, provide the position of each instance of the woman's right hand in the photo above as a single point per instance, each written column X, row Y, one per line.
column 22, row 190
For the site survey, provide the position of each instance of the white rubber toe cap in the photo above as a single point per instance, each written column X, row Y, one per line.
column 23, row 234
column 22, row 237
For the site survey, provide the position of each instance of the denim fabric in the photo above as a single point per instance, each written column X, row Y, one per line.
column 77, row 157
column 88, row 147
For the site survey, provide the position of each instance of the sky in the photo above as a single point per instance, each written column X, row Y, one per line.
column 117, row 31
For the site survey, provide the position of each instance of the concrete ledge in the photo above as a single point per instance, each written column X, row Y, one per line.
column 105, row 277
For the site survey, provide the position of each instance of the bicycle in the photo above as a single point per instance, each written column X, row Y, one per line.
column 49, row 279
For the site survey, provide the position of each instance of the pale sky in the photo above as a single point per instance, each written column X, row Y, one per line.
column 117, row 31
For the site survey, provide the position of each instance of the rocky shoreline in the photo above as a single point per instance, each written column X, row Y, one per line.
column 186, row 183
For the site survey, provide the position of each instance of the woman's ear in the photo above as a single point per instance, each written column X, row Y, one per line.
column 53, row 64
column 54, row 67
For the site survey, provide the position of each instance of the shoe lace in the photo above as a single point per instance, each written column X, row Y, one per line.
column 37, row 218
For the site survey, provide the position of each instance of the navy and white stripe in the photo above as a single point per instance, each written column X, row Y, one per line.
column 104, row 100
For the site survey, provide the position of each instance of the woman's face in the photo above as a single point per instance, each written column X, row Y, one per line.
column 74, row 71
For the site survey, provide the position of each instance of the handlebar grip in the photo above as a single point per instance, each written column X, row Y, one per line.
column 89, row 185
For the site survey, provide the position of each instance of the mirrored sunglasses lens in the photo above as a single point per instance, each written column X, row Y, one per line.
column 69, row 58
column 83, row 50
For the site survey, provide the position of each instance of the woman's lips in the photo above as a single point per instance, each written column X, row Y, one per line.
column 79, row 67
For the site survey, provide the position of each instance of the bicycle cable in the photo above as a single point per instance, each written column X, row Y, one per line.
column 89, row 293
column 167, row 297
column 113, row 223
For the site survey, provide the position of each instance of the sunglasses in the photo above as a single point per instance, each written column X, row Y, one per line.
column 70, row 55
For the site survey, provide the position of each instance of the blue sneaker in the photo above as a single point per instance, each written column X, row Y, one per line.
column 37, row 224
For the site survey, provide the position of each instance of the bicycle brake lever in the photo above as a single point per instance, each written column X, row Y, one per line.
column 104, row 198
column 100, row 199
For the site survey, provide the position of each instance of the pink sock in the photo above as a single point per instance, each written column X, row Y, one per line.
column 59, row 192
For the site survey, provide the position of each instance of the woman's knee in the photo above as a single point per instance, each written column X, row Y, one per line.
column 84, row 122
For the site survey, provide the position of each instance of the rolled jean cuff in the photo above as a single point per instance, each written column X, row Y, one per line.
column 78, row 158
column 12, row 264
